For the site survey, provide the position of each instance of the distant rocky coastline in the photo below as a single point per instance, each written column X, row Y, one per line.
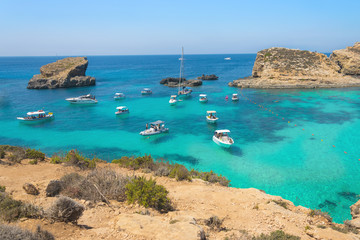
column 174, row 82
column 208, row 77
column 65, row 73
column 291, row 68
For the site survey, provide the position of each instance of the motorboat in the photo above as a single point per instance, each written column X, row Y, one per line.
column 203, row 98
column 235, row 97
column 211, row 117
column 222, row 138
column 85, row 99
column 39, row 115
column 122, row 110
column 156, row 127
column 183, row 92
column 146, row 91
column 227, row 58
column 173, row 100
column 119, row 96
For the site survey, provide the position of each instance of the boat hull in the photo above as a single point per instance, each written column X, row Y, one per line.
column 221, row 143
column 203, row 100
column 121, row 113
column 211, row 120
column 73, row 101
column 27, row 120
column 172, row 102
column 151, row 133
column 235, row 99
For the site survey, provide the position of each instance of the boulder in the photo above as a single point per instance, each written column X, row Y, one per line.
column 64, row 73
column 174, row 82
column 208, row 77
column 348, row 59
column 30, row 189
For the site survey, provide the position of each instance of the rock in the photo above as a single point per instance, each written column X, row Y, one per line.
column 64, row 73
column 54, row 188
column 355, row 210
column 30, row 189
column 174, row 82
column 292, row 68
column 348, row 59
column 208, row 77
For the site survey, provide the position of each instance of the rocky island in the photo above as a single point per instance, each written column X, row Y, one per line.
column 174, row 82
column 65, row 73
column 291, row 68
column 208, row 77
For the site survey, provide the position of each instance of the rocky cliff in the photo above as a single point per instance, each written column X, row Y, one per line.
column 291, row 68
column 174, row 82
column 64, row 73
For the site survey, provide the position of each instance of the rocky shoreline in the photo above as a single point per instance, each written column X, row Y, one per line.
column 291, row 68
column 202, row 210
column 174, row 82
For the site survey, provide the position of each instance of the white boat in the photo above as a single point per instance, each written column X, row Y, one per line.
column 211, row 117
column 85, row 99
column 235, row 97
column 156, row 127
column 119, row 96
column 222, row 138
column 122, row 110
column 227, row 58
column 183, row 92
column 146, row 91
column 39, row 115
column 173, row 100
column 203, row 98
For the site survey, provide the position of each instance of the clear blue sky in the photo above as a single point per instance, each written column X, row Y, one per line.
column 123, row 27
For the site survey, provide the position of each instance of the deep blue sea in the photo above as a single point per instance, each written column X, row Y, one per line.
column 303, row 147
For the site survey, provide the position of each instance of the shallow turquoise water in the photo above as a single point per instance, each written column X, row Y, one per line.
column 269, row 153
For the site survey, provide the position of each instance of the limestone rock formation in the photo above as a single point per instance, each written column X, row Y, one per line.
column 174, row 82
column 64, row 73
column 291, row 68
column 348, row 59
column 208, row 77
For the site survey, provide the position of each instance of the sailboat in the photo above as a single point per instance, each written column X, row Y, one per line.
column 183, row 91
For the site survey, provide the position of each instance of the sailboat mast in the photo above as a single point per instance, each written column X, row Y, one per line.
column 181, row 66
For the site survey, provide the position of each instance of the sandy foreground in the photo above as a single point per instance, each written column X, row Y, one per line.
column 249, row 210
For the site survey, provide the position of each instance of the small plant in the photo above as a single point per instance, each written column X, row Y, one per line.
column 180, row 172
column 148, row 194
column 2, row 153
column 307, row 227
column 215, row 223
column 318, row 212
column 54, row 188
column 2, row 188
column 33, row 162
column 65, row 209
column 277, row 235
column 173, row 221
column 55, row 159
column 256, row 207
column 135, row 162
column 34, row 154
column 74, row 158
column 321, row 226
column 8, row 232
column 281, row 203
column 210, row 177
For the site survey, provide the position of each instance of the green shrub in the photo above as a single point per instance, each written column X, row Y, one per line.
column 210, row 177
column 346, row 228
column 2, row 188
column 318, row 212
column 74, row 158
column 2, row 153
column 8, row 232
column 135, row 162
column 33, row 162
column 281, row 203
column 11, row 210
column 277, row 235
column 65, row 209
column 148, row 194
column 55, row 159
column 34, row 154
column 180, row 172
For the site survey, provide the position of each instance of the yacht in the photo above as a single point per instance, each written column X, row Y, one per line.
column 39, row 115
column 85, row 99
column 146, row 91
column 227, row 58
column 183, row 92
column 222, row 138
column 122, row 110
column 119, row 96
column 156, row 127
column 173, row 100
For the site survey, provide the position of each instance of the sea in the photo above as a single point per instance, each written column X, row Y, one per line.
column 300, row 144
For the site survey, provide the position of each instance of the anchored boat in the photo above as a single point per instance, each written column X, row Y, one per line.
column 203, row 98
column 122, row 110
column 235, row 97
column 119, row 96
column 146, row 91
column 173, row 100
column 156, row 127
column 183, row 92
column 85, row 99
column 222, row 138
column 39, row 115
column 211, row 117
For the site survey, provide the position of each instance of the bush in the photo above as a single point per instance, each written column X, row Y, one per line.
column 346, row 228
column 277, row 235
column 135, row 162
column 11, row 210
column 16, row 153
column 54, row 188
column 15, row 233
column 2, row 153
column 65, row 209
column 215, row 223
column 148, row 194
column 318, row 212
column 2, row 188
column 34, row 154
column 55, row 159
column 74, row 158
column 30, row 189
column 281, row 203
column 180, row 172
column 33, row 162
column 210, row 177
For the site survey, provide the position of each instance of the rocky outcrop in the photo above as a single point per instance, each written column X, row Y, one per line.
column 208, row 77
column 64, row 73
column 348, row 59
column 291, row 68
column 174, row 82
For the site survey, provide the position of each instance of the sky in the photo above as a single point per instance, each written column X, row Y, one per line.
column 145, row 27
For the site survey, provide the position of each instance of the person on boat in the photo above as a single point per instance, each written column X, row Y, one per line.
column 226, row 98
column 147, row 126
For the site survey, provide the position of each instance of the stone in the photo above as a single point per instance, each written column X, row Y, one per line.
column 348, row 59
column 208, row 77
column 64, row 73
column 30, row 189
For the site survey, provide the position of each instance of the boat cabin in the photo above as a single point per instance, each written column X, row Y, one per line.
column 211, row 114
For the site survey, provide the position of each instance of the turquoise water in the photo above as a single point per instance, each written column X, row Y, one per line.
column 269, row 153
